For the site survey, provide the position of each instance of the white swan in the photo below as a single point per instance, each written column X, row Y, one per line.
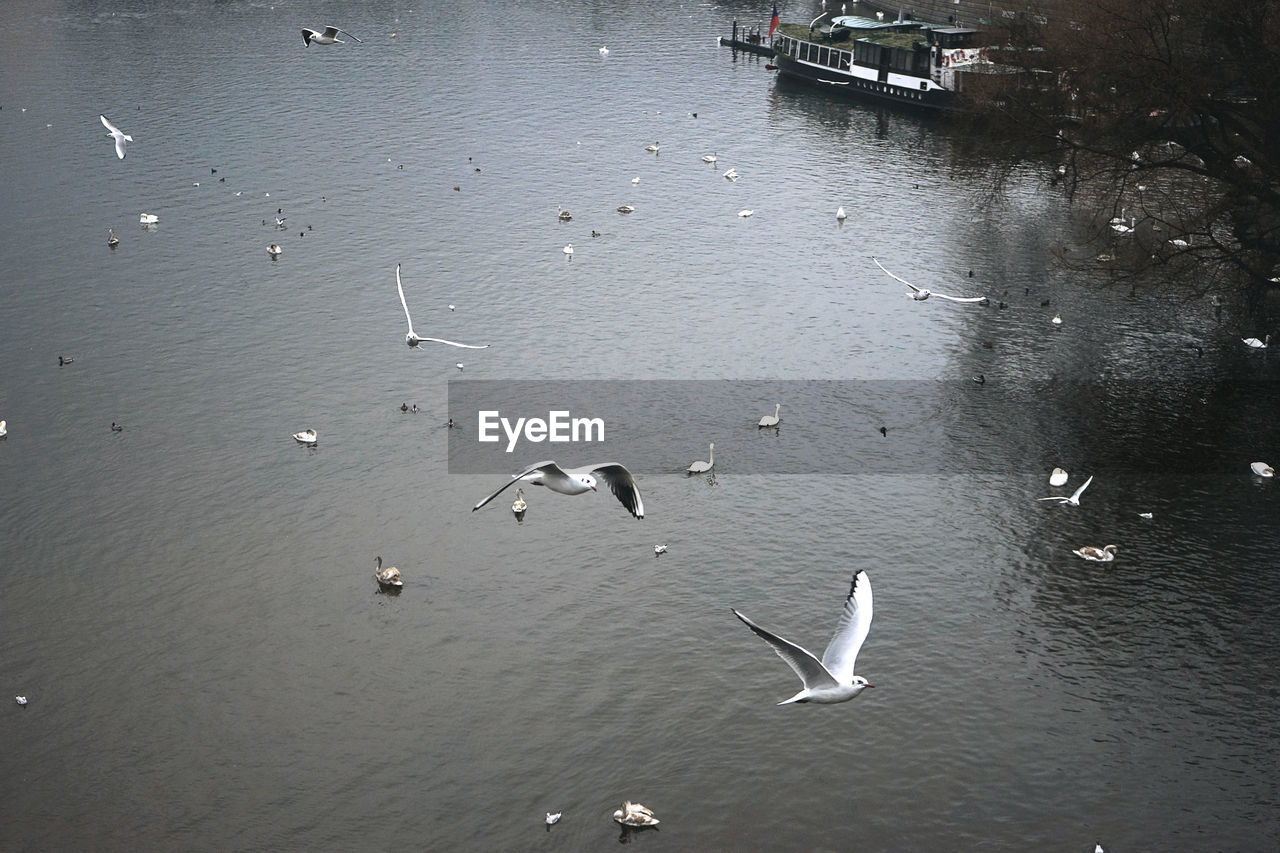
column 709, row 158
column 840, row 214
column 388, row 578
column 659, row 549
column 568, row 250
column 518, row 505
column 626, row 208
column 1057, row 320
column 148, row 218
column 1262, row 469
column 652, row 148
column 634, row 814
column 1097, row 555
column 564, row 215
column 307, row 437
column 701, row 467
column 329, row 36
column 115, row 133
column 1057, row 477
column 112, row 239
column 4, row 428
column 274, row 250
column 745, row 213
column 635, row 180
column 604, row 51
column 1257, row 344
column 554, row 818
column 771, row 420
column 1121, row 228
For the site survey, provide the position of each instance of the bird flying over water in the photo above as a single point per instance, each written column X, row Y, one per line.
column 116, row 134
column 831, row 679
column 576, row 481
column 1074, row 500
column 412, row 338
column 920, row 294
column 329, row 36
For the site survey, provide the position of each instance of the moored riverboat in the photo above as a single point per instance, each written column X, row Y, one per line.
column 902, row 61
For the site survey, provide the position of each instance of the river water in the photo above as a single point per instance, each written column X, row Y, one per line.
column 188, row 606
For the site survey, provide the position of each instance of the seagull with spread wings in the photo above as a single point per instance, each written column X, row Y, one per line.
column 577, row 481
column 920, row 294
column 412, row 338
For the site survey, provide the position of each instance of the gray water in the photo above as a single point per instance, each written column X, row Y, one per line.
column 188, row 603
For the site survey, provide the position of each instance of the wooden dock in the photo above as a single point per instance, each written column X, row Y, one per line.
column 749, row 40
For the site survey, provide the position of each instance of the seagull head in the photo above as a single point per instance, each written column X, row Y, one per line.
column 859, row 681
column 588, row 481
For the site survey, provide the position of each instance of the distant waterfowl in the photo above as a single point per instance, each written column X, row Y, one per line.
column 831, row 679
column 4, row 428
column 412, row 338
column 745, row 213
column 731, row 175
column 1097, row 555
column 553, row 819
column 1262, row 469
column 771, row 420
column 920, row 294
column 634, row 814
column 564, row 215
column 329, row 36
column 1257, row 344
column 1057, row 477
column 1121, row 228
column 21, row 700
column 518, row 505
column 115, row 427
column 980, row 379
column 114, row 133
column 1057, row 320
column 388, row 578
column 1074, row 500
column 413, row 410
column 148, row 218
column 274, row 250
column 459, row 365
column 635, row 180
column 652, row 148
column 701, row 467
column 568, row 250
column 709, row 158
column 62, row 359
column 1145, row 515
column 625, row 208
column 112, row 239
column 307, row 437
column 659, row 549
column 577, row 481
column 604, row 51
column 404, row 407
column 840, row 214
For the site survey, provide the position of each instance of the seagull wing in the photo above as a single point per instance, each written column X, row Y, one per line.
column 1076, row 497
column 851, row 630
column 455, row 343
column 550, row 471
column 620, row 482
column 981, row 299
column 344, row 31
column 111, row 128
column 898, row 278
column 808, row 667
column 1057, row 498
column 331, row 32
column 403, row 304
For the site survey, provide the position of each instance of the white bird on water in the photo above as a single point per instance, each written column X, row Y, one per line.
column 840, row 214
column 388, row 578
column 518, row 505
column 920, row 294
column 1057, row 320
column 652, row 148
column 1074, row 500
column 626, row 208
column 604, row 51
column 709, row 158
column 1095, row 554
column 577, row 481
column 4, row 428
column 1057, row 477
column 568, row 250
column 329, row 36
column 21, row 700
column 1262, row 469
column 307, row 437
column 274, row 250
column 701, row 467
column 634, row 814
column 659, row 549
column 116, row 134
column 148, row 219
column 730, row 175
column 412, row 338
column 554, row 818
column 1257, row 344
column 831, row 679
column 772, row 420
column 745, row 213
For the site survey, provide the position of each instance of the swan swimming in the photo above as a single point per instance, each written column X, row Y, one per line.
column 112, row 239
column 840, row 214
column 553, row 819
column 1257, row 344
column 274, row 250
column 4, row 428
column 518, row 505
column 771, row 420
column 626, row 208
column 577, row 481
column 115, row 133
column 307, row 437
column 634, row 814
column 745, row 213
column 412, row 338
column 831, row 679
column 920, row 294
column 1074, row 500
column 329, row 36
column 709, row 158
column 388, row 578
column 652, row 148
column 604, row 51
column 1057, row 477
column 1262, row 469
column 1097, row 555
column 568, row 250
column 148, row 218
column 701, row 467
column 1057, row 320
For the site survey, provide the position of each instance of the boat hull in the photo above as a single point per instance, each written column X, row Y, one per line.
column 901, row 91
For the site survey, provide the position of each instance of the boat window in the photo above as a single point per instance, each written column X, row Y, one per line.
column 822, row 55
column 844, row 60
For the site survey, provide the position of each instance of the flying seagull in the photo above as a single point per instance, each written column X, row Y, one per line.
column 920, row 294
column 116, row 134
column 576, row 481
column 329, row 36
column 831, row 679
column 412, row 338
column 1074, row 500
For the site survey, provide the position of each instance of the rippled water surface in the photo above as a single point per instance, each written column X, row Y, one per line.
column 188, row 603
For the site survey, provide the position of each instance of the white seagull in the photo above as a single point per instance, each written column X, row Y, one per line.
column 116, row 134
column 412, row 338
column 22, row 700
column 659, row 549
column 1095, row 554
column 745, row 213
column 329, row 36
column 830, row 680
column 553, row 819
column 307, row 437
column 920, row 294
column 1262, row 469
column 701, row 467
column 576, row 481
column 634, row 814
column 731, row 175
column 772, row 420
column 1257, row 344
column 1057, row 477
column 604, row 51
column 388, row 578
column 840, row 214
column 1074, row 500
